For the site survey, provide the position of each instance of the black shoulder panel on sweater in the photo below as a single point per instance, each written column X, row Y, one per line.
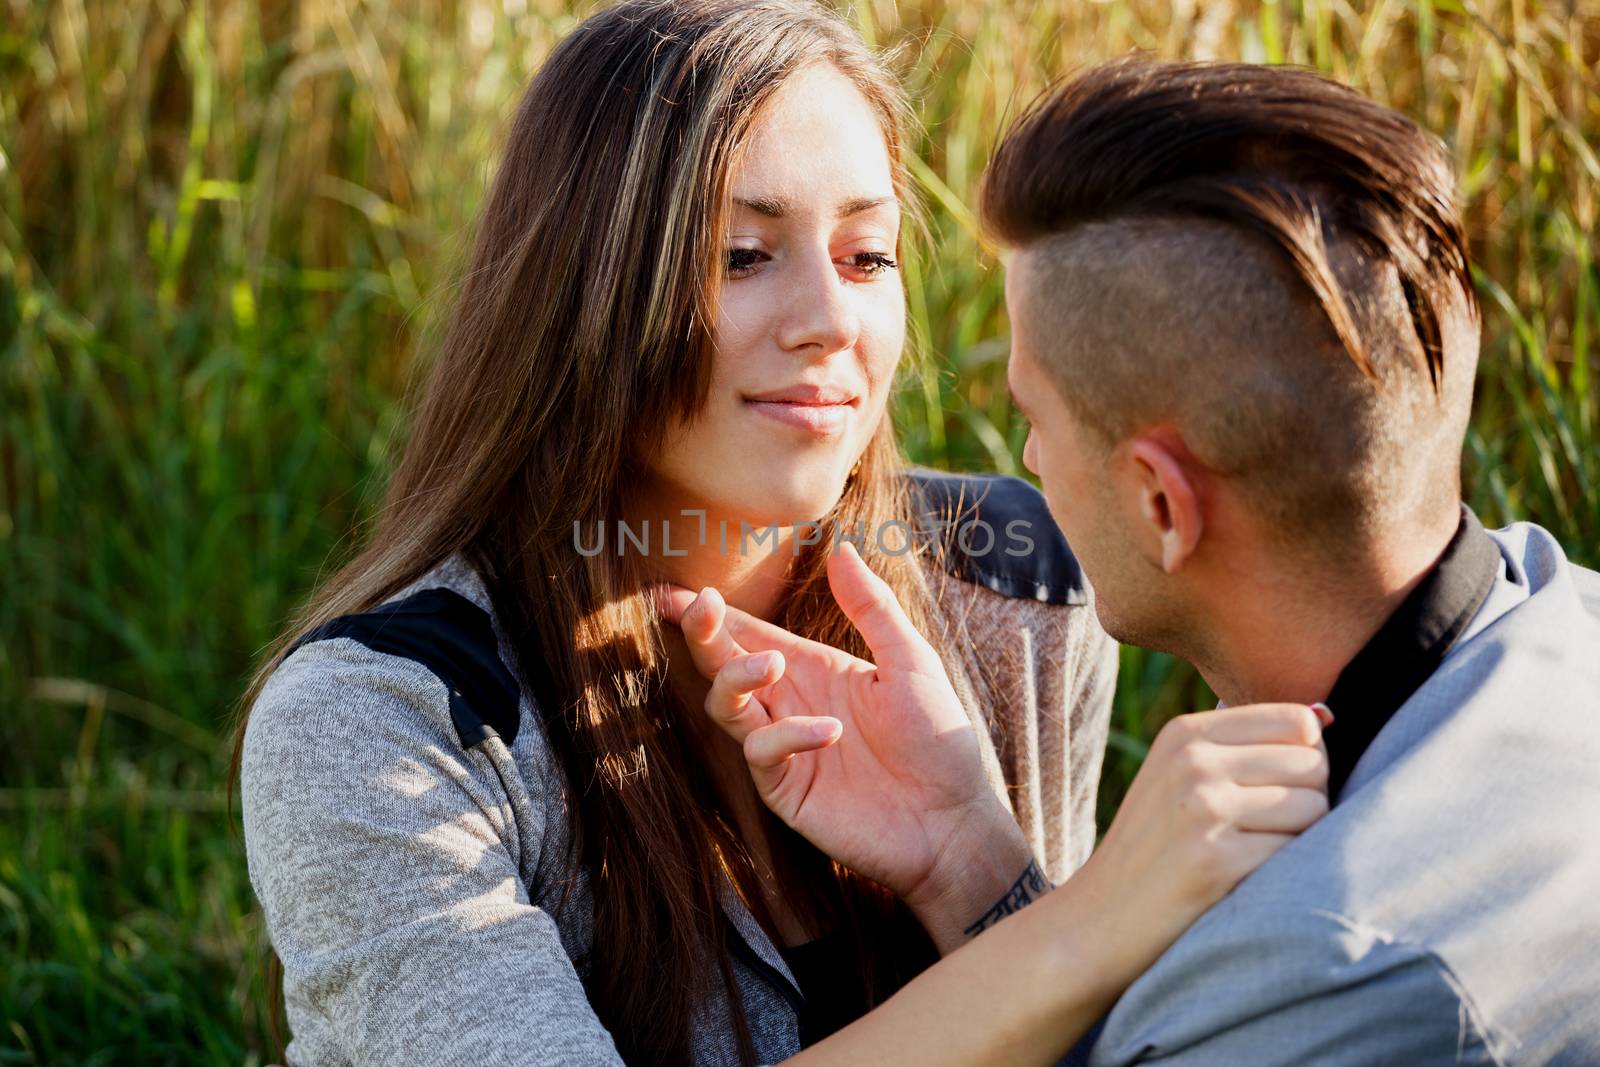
column 996, row 531
column 452, row 637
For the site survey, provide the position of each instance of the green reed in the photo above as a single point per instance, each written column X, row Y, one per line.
column 226, row 231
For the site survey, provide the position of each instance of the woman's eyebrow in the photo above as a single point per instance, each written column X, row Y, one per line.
column 776, row 208
column 862, row 203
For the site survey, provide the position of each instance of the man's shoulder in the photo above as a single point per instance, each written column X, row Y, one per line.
column 1454, row 880
column 1536, row 560
column 1533, row 645
column 1448, row 894
column 1295, row 983
column 995, row 531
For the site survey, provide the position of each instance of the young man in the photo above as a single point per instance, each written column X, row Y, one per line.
column 1244, row 331
column 1245, row 335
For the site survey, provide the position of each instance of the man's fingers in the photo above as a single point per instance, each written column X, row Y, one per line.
column 729, row 703
column 870, row 604
column 1279, row 809
column 770, row 747
column 706, row 634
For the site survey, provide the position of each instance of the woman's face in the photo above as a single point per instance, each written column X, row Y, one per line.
column 811, row 319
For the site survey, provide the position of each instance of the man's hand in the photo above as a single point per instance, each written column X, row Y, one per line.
column 877, row 764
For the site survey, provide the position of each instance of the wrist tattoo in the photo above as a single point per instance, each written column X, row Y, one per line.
column 1024, row 891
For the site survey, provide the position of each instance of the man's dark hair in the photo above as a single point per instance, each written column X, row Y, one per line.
column 1210, row 237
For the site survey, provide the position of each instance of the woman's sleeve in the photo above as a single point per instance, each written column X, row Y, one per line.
column 387, row 859
column 1089, row 691
column 1058, row 746
column 1048, row 674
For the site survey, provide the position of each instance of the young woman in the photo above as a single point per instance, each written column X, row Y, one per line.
column 485, row 814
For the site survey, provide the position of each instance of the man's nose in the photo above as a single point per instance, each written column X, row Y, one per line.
column 1030, row 452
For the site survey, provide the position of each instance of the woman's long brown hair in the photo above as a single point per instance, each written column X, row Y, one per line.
column 579, row 333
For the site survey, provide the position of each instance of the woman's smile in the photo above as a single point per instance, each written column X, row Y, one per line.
column 816, row 409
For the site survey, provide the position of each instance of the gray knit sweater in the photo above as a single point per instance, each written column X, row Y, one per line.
column 408, row 851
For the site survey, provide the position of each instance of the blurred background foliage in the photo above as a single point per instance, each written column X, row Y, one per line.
column 225, row 229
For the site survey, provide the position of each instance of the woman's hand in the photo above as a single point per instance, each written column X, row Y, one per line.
column 877, row 764
column 1219, row 793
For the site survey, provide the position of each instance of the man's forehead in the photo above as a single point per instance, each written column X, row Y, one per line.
column 1033, row 322
column 1021, row 271
column 1019, row 266
column 1021, row 370
column 1037, row 302
column 1047, row 275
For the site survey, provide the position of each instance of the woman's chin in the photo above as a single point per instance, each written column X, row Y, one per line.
column 789, row 498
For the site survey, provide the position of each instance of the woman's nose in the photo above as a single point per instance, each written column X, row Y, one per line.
column 821, row 318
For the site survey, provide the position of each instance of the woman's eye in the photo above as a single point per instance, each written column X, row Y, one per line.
column 871, row 264
column 742, row 261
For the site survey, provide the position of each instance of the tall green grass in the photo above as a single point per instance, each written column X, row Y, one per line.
column 225, row 230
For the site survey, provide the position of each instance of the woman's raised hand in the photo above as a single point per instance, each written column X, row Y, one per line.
column 877, row 764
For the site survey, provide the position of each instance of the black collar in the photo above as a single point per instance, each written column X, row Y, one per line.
column 1409, row 647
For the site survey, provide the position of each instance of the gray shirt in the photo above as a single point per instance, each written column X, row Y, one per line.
column 409, row 857
column 1447, row 909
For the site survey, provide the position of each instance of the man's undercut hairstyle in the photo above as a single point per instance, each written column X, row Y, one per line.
column 1261, row 258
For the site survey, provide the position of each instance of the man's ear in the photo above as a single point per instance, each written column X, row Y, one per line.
column 1168, row 501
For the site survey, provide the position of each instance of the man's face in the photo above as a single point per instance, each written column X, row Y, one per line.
column 1081, row 473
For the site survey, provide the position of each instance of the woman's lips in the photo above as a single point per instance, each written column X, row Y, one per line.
column 813, row 418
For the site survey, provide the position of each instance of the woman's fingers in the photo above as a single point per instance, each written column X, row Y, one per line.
column 672, row 600
column 769, row 748
column 1289, row 765
column 1249, row 851
column 706, row 633
column 749, row 633
column 755, row 634
column 870, row 604
column 1278, row 809
column 729, row 702
column 1252, row 724
column 1325, row 718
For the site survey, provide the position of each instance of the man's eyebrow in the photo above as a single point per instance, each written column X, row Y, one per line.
column 776, row 208
column 1012, row 393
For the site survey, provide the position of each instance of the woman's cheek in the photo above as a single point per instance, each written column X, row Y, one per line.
column 884, row 338
column 743, row 306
